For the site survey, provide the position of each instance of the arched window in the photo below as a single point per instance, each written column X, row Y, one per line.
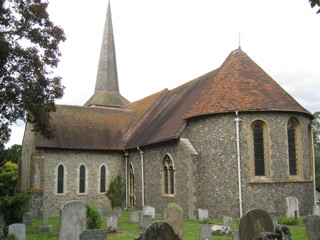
column 132, row 198
column 82, row 182
column 103, row 179
column 60, row 185
column 168, row 175
column 258, row 146
column 292, row 147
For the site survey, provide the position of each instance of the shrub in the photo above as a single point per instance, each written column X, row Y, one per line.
column 117, row 192
column 13, row 208
column 93, row 217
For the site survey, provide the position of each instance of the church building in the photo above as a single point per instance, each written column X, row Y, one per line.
column 228, row 141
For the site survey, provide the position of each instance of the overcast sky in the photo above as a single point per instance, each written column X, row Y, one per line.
column 165, row 43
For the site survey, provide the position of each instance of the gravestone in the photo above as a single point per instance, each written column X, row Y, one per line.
column 104, row 211
column 117, row 211
column 158, row 231
column 134, row 216
column 227, row 221
column 19, row 230
column 27, row 218
column 173, row 214
column 112, row 223
column 316, row 209
column 313, row 227
column 292, row 207
column 145, row 221
column 235, row 235
column 253, row 223
column 205, row 232
column 73, row 216
column 45, row 228
column 148, row 210
column 93, row 234
column 203, row 214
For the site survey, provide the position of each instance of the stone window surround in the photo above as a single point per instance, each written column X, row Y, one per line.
column 169, row 181
column 65, row 174
column 266, row 141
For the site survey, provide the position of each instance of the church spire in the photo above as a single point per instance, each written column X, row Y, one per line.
column 106, row 91
column 107, row 76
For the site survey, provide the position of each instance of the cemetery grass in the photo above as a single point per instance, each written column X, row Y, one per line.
column 127, row 231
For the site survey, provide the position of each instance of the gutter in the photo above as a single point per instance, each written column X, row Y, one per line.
column 142, row 177
column 237, row 120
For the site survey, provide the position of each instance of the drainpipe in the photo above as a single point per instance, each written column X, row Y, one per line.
column 126, row 154
column 142, row 177
column 314, row 170
column 237, row 120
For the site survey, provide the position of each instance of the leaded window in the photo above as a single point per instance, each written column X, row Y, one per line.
column 132, row 197
column 60, row 179
column 259, row 149
column 168, row 172
column 82, row 182
column 103, row 179
column 292, row 147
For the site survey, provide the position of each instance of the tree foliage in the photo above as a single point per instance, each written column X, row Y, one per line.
column 316, row 144
column 12, row 154
column 8, row 178
column 314, row 3
column 29, row 51
column 93, row 217
column 117, row 192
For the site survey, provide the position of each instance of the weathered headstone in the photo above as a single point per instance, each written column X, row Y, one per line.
column 203, row 214
column 93, row 234
column 292, row 207
column 227, row 221
column 104, row 211
column 19, row 230
column 313, row 227
column 73, row 217
column 253, row 223
column 112, row 223
column 27, row 218
column 205, row 232
column 45, row 228
column 173, row 214
column 235, row 235
column 316, row 209
column 159, row 231
column 148, row 210
column 117, row 211
column 145, row 221
column 134, row 216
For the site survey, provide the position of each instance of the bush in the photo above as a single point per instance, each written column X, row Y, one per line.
column 93, row 217
column 117, row 192
column 13, row 208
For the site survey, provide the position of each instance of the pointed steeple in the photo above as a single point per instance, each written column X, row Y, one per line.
column 107, row 88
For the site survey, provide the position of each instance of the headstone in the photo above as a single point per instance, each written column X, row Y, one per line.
column 145, row 221
column 253, row 223
column 148, row 210
column 27, row 218
column 227, row 221
column 112, row 223
column 235, row 235
column 205, row 232
column 93, row 234
column 19, row 230
column 117, row 211
column 173, row 214
column 73, row 216
column 292, row 207
column 159, row 231
column 45, row 228
column 134, row 216
column 313, row 227
column 316, row 209
column 104, row 211
column 203, row 214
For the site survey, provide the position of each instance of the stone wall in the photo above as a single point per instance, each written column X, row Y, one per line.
column 72, row 160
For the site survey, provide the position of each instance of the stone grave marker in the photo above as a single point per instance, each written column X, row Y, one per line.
column 145, row 221
column 27, row 218
column 203, row 214
column 19, row 230
column 227, row 221
column 292, row 207
column 159, row 231
column 173, row 214
column 93, row 234
column 205, row 232
column 134, row 216
column 313, row 227
column 112, row 223
column 253, row 223
column 117, row 211
column 316, row 209
column 45, row 228
column 104, row 211
column 148, row 210
column 73, row 217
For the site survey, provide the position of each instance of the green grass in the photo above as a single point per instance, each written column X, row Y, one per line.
column 128, row 231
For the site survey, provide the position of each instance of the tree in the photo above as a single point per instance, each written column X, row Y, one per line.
column 314, row 3
column 12, row 154
column 117, row 192
column 29, row 51
column 8, row 178
column 316, row 144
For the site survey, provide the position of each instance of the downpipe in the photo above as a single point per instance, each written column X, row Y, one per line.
column 142, row 177
column 237, row 120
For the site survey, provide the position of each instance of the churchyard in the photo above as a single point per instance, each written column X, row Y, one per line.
column 127, row 230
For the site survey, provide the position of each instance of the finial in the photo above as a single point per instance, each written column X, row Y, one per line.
column 239, row 35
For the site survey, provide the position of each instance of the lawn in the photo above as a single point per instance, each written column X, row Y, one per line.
column 128, row 231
